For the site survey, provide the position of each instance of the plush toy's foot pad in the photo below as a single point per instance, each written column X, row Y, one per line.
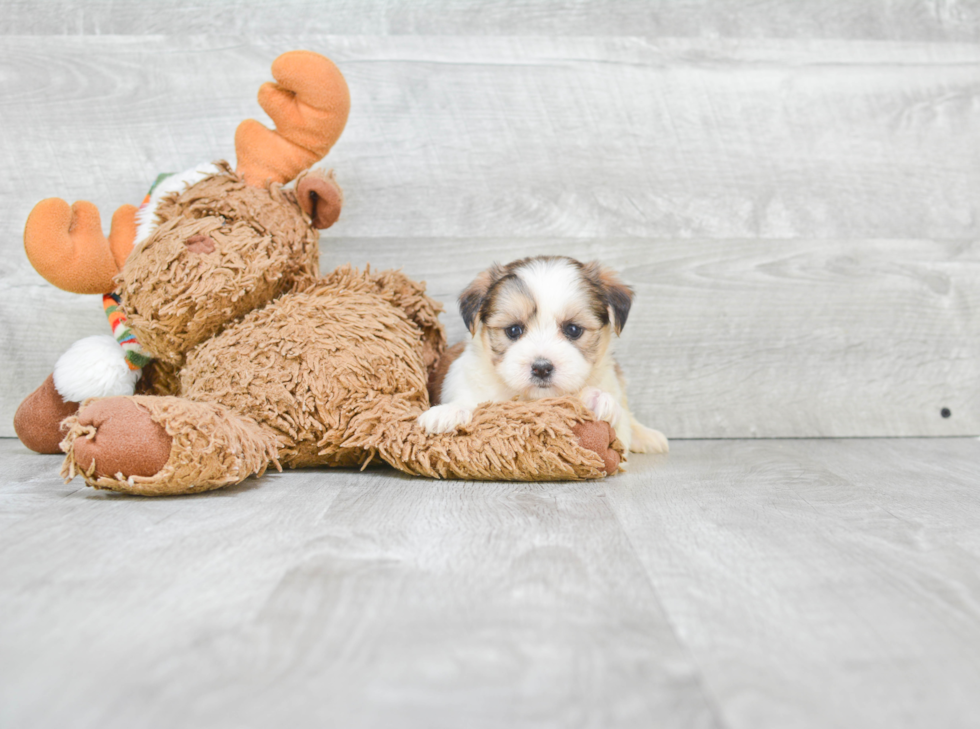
column 38, row 419
column 598, row 437
column 125, row 441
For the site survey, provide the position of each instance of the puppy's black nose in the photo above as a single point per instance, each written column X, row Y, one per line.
column 542, row 369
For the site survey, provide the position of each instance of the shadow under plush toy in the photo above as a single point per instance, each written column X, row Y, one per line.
column 240, row 354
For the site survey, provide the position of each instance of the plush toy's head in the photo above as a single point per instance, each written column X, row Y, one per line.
column 211, row 244
column 214, row 251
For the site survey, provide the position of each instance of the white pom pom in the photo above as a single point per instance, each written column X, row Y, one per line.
column 94, row 367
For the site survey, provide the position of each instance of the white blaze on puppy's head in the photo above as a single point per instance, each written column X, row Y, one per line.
column 544, row 324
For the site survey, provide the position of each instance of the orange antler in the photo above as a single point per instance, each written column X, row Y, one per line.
column 67, row 247
column 309, row 105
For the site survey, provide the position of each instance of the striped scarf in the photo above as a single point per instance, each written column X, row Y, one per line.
column 136, row 356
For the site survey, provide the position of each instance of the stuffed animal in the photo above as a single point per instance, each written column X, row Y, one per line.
column 231, row 353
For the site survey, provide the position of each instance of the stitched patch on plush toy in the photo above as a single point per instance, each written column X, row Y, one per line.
column 136, row 356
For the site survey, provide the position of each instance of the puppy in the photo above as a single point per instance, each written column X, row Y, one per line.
column 542, row 327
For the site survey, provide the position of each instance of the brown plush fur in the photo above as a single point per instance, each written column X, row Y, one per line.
column 334, row 343
column 176, row 298
column 261, row 361
column 510, row 441
column 211, row 447
column 336, row 375
column 275, row 365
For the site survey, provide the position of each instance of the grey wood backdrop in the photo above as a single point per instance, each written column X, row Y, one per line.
column 792, row 187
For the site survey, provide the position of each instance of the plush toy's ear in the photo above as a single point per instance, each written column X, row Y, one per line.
column 309, row 105
column 66, row 245
column 617, row 296
column 320, row 197
column 472, row 299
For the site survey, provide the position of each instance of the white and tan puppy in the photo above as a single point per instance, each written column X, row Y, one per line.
column 542, row 327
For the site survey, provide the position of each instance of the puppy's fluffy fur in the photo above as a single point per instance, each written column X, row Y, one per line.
column 543, row 327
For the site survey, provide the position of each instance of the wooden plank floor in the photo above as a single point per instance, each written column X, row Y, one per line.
column 741, row 584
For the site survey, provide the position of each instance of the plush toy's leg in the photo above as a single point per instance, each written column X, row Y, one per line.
column 37, row 421
column 403, row 293
column 547, row 440
column 163, row 445
column 410, row 297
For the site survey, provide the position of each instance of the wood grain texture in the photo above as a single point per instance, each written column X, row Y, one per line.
column 574, row 137
column 596, row 146
column 806, row 19
column 334, row 597
column 738, row 584
column 758, row 338
column 819, row 583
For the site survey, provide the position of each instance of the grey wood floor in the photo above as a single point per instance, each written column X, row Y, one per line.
column 740, row 584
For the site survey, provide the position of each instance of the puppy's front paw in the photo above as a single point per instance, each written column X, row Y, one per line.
column 602, row 404
column 445, row 418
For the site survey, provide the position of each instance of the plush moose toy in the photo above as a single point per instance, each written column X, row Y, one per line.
column 232, row 353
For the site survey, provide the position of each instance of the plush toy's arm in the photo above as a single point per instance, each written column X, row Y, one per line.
column 401, row 292
column 546, row 440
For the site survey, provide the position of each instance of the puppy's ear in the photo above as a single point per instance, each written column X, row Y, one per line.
column 619, row 297
column 471, row 300
column 616, row 296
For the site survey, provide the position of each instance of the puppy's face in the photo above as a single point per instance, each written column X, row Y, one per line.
column 544, row 323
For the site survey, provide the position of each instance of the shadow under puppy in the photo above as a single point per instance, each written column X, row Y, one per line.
column 542, row 327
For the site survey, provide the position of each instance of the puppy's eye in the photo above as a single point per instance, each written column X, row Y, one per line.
column 514, row 331
column 572, row 331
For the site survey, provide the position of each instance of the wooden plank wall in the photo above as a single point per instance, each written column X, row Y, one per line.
column 790, row 186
